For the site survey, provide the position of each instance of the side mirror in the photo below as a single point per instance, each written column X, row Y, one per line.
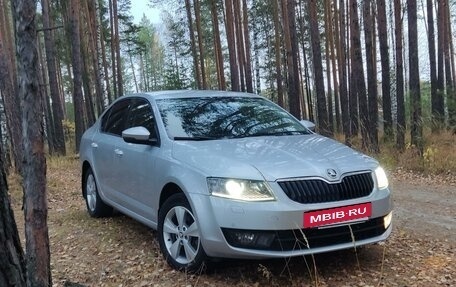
column 308, row 124
column 138, row 135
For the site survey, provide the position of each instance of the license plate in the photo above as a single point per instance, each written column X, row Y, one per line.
column 337, row 215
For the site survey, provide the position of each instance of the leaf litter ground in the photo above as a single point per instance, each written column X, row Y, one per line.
column 119, row 251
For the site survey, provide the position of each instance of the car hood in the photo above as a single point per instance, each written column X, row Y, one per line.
column 272, row 158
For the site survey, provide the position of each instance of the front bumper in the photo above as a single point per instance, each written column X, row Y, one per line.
column 249, row 230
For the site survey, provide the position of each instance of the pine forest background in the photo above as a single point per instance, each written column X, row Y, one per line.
column 370, row 73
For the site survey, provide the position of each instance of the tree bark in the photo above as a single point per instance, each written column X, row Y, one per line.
column 77, row 72
column 334, row 41
column 438, row 107
column 105, row 63
column 432, row 65
column 416, row 128
column 199, row 32
column 230, row 37
column 218, row 47
column 95, row 54
column 34, row 161
column 193, row 45
column 342, row 62
column 117, row 46
column 248, row 64
column 113, row 50
column 400, row 128
column 293, row 80
column 239, row 41
column 449, row 76
column 358, row 95
column 277, row 48
column 384, row 59
column 328, row 28
column 322, row 114
column 12, row 262
column 371, row 61
column 57, row 112
column 8, row 88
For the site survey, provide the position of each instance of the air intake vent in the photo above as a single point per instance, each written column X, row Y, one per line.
column 317, row 191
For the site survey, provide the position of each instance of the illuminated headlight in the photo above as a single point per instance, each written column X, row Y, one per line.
column 382, row 180
column 387, row 220
column 240, row 189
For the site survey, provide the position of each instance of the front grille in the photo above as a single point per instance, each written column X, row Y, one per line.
column 287, row 240
column 317, row 190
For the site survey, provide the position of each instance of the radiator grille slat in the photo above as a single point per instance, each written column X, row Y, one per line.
column 317, row 190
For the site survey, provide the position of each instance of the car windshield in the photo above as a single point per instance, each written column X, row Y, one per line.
column 207, row 118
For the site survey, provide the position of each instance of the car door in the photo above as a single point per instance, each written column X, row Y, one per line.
column 138, row 162
column 105, row 145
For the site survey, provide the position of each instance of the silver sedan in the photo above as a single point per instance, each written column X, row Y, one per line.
column 230, row 175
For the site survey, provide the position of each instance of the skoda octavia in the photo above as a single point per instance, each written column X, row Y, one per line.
column 230, row 175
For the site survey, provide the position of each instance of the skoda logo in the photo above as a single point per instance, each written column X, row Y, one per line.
column 331, row 173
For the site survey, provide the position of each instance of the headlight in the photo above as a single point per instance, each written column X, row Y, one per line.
column 240, row 189
column 382, row 180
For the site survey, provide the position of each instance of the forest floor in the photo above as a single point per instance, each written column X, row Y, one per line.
column 119, row 251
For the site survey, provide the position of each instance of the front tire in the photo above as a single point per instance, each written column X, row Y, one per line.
column 95, row 205
column 179, row 235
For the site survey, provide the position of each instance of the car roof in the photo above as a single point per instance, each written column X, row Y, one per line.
column 191, row 94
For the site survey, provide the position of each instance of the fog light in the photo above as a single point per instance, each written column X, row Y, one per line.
column 244, row 238
column 253, row 239
column 387, row 220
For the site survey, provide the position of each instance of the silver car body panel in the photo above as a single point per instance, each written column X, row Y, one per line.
column 131, row 177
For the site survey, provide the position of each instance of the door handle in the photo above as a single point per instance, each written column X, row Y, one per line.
column 118, row 152
column 94, row 145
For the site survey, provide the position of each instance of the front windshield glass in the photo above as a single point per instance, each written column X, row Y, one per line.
column 208, row 118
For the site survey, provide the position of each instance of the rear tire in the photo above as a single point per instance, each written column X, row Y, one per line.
column 95, row 205
column 179, row 235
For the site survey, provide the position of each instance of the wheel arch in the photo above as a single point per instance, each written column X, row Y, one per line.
column 169, row 190
column 85, row 167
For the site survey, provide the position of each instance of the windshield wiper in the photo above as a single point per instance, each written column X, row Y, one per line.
column 281, row 133
column 195, row 138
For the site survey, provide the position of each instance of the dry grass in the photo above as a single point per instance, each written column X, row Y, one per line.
column 119, row 251
column 439, row 156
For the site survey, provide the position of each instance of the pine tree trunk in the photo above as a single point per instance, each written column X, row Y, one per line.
column 105, row 63
column 358, row 99
column 239, row 42
column 384, row 59
column 12, row 263
column 8, row 88
column 230, row 37
column 294, row 91
column 34, row 161
column 322, row 113
column 438, row 107
column 217, row 47
column 415, row 96
column 432, row 66
column 95, row 54
column 57, row 112
column 199, row 32
column 342, row 59
column 199, row 84
column 328, row 65
column 371, row 61
column 117, row 46
column 450, row 88
column 113, row 50
column 400, row 129
column 77, row 72
column 248, row 64
column 278, row 62
column 333, row 41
